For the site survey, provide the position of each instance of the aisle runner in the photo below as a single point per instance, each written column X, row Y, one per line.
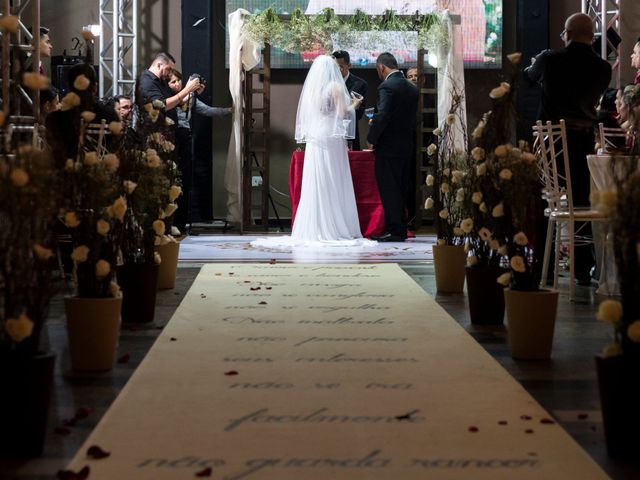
column 324, row 372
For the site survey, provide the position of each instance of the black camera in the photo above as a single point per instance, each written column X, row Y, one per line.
column 199, row 77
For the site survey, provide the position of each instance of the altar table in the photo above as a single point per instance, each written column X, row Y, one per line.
column 370, row 212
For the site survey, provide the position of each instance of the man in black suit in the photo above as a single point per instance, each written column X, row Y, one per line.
column 572, row 81
column 354, row 84
column 391, row 137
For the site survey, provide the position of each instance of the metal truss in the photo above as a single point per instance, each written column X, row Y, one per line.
column 118, row 62
column 606, row 17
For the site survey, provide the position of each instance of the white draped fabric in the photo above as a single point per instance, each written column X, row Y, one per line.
column 244, row 54
column 450, row 74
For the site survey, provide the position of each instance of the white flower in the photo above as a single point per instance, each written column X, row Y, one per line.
column 168, row 121
column 168, row 146
column 451, row 119
column 446, row 172
column 494, row 245
column 437, row 132
column 460, row 195
column 153, row 161
column 42, row 253
column 485, row 234
column 506, row 86
column 501, row 151
column 81, row 83
column 159, row 227
column 148, row 107
column 443, row 214
column 515, row 57
column 80, row 254
column 428, row 204
column 19, row 328
column 505, row 174
column 503, row 250
column 429, row 181
column 479, row 130
column 498, row 211
column 478, row 154
column 504, row 279
column 515, row 153
column 154, row 115
column 520, row 239
column 476, row 197
column 158, row 104
column 174, row 192
column 69, row 101
column 528, row 157
column 633, row 331
column 444, row 188
column 432, row 149
column 466, row 225
column 112, row 162
column 610, row 311
column 119, row 208
column 103, row 268
column 35, row 81
column 71, row 220
column 483, row 207
column 129, row 186
column 88, row 116
column 498, row 92
column 458, row 232
column 157, row 258
column 518, row 264
column 170, row 209
column 472, row 260
column 175, row 231
column 90, row 158
column 103, row 227
column 457, row 176
column 481, row 169
column 116, row 127
column 19, row 177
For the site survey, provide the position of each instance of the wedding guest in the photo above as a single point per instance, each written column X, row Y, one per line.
column 607, row 115
column 354, row 84
column 635, row 61
column 572, row 80
column 49, row 102
column 124, row 108
column 184, row 143
column 391, row 137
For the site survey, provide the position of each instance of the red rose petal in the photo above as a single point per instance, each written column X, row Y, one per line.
column 525, row 417
column 62, row 430
column 502, row 422
column 204, row 473
column 71, row 475
column 231, row 372
column 547, row 421
column 473, row 429
column 583, row 416
column 97, row 453
column 124, row 358
column 528, row 430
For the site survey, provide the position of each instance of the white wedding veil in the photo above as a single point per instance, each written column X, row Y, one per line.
column 324, row 109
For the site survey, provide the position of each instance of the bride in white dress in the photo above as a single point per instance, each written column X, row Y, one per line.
column 327, row 213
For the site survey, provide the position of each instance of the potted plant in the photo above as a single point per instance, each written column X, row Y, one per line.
column 151, row 185
column 618, row 365
column 452, row 221
column 28, row 208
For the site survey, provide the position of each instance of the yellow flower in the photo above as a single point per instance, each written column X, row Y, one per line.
column 20, row 328
column 446, row 172
column 429, row 181
column 174, row 192
column 81, row 83
column 103, row 227
column 102, row 268
column 476, row 198
column 71, row 220
column 518, row 264
column 35, row 81
column 528, row 157
column 478, row 154
column 80, row 254
column 119, row 208
column 505, row 174
column 159, row 227
column 501, row 151
column 90, row 158
column 633, row 332
column 515, row 57
column 157, row 258
column 506, row 86
column 428, row 204
column 175, row 230
column 612, row 350
column 88, row 116
column 610, row 311
column 69, row 101
column 472, row 260
column 148, row 107
column 9, row 23
column 466, row 225
column 19, row 177
column 504, row 279
column 42, row 253
column 443, row 214
column 115, row 127
column 129, row 186
column 498, row 210
column 485, row 234
column 479, row 130
column 521, row 239
column 112, row 162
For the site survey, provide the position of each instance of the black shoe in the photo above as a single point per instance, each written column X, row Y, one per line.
column 388, row 237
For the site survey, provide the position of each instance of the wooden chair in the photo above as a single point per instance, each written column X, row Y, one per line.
column 611, row 139
column 550, row 145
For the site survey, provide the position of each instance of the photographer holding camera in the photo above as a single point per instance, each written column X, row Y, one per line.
column 184, row 145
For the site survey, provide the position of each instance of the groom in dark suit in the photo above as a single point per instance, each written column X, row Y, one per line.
column 354, row 84
column 391, row 137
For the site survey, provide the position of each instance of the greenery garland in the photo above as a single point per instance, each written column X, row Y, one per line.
column 306, row 32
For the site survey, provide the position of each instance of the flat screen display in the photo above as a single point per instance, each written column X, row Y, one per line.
column 480, row 30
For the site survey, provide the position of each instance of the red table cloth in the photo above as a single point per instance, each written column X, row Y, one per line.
column 370, row 212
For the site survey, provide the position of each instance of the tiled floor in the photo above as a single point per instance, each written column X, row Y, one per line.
column 565, row 385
